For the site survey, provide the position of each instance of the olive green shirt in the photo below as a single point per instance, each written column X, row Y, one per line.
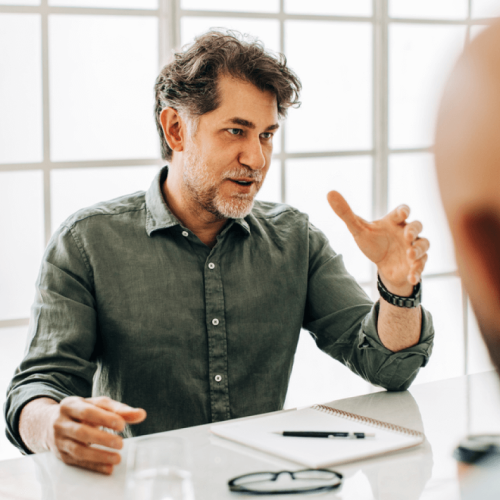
column 132, row 305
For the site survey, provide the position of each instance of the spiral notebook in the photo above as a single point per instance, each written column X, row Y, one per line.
column 260, row 434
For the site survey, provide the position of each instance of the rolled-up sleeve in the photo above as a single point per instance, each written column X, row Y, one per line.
column 343, row 322
column 60, row 350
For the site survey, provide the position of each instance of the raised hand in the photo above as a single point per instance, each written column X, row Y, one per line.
column 391, row 243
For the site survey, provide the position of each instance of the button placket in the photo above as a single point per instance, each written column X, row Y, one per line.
column 217, row 340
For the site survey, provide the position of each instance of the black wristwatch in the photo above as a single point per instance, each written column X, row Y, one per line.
column 413, row 300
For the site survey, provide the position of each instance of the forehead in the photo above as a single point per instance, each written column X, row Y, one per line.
column 245, row 100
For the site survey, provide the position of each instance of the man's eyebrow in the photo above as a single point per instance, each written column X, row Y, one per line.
column 249, row 124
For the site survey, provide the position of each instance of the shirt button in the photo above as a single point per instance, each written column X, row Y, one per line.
column 211, row 265
column 218, row 378
column 215, row 322
column 185, row 233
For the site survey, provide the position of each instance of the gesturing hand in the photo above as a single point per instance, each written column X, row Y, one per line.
column 391, row 243
column 76, row 426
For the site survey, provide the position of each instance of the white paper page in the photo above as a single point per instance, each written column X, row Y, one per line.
column 259, row 433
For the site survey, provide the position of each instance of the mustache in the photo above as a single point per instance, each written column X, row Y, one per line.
column 250, row 174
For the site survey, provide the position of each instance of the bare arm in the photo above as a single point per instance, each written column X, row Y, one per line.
column 398, row 327
column 70, row 428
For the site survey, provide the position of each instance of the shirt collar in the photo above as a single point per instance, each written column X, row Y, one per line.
column 159, row 215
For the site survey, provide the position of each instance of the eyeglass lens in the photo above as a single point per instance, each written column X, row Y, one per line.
column 300, row 480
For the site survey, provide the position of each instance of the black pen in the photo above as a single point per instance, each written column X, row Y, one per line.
column 315, row 434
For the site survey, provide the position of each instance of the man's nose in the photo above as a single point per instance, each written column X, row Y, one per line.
column 252, row 155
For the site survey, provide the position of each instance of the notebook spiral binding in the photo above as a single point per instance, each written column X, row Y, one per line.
column 369, row 421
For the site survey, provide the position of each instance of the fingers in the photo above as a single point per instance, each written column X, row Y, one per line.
column 418, row 249
column 78, row 427
column 412, row 230
column 344, row 211
column 85, row 434
column 129, row 414
column 96, row 467
column 416, row 269
column 84, row 411
column 88, row 454
column 400, row 214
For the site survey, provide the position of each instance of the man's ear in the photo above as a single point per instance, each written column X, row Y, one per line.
column 174, row 129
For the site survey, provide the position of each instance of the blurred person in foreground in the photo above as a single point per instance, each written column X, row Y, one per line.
column 187, row 301
column 468, row 168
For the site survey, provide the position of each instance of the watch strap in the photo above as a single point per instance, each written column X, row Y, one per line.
column 413, row 300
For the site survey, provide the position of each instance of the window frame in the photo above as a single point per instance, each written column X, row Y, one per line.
column 169, row 14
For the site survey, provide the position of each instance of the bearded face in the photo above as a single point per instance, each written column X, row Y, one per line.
column 227, row 193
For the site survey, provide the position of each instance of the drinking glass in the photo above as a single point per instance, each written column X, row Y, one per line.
column 158, row 468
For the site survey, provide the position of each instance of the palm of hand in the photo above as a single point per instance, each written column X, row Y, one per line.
column 383, row 242
column 391, row 243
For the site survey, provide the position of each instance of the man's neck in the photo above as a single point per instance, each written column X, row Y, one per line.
column 202, row 223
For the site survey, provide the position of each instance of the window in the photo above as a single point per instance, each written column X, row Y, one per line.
column 372, row 73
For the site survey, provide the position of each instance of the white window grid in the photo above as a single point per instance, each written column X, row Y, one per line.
column 169, row 14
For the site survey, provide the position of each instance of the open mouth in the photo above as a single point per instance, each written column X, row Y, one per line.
column 242, row 183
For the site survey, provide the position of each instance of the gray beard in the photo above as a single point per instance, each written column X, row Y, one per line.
column 206, row 193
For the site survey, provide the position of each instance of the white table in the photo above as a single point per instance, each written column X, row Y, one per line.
column 446, row 411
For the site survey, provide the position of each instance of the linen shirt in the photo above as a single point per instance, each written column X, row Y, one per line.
column 132, row 305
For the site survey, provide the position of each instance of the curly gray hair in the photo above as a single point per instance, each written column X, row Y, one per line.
column 189, row 82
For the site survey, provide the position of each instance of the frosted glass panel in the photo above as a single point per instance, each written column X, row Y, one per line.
column 412, row 180
column 430, row 9
column 20, row 89
column 271, row 189
column 307, row 183
column 21, row 230
column 102, row 74
column 112, row 4
column 477, row 355
column 330, row 7
column 485, row 8
column 231, row 5
column 420, row 59
column 442, row 297
column 266, row 30
column 334, row 62
column 12, row 343
column 94, row 185
column 318, row 378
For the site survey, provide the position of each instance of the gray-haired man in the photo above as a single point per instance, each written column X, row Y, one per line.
column 188, row 300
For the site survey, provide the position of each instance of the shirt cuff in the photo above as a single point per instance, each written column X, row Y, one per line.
column 400, row 368
column 15, row 403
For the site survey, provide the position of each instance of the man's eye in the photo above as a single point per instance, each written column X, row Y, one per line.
column 266, row 135
column 234, row 131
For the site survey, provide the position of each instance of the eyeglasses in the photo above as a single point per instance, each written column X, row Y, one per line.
column 301, row 481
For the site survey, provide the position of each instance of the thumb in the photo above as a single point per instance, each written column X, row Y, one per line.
column 344, row 211
column 133, row 415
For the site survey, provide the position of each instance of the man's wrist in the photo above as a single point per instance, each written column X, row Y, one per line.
column 402, row 289
column 405, row 301
column 36, row 423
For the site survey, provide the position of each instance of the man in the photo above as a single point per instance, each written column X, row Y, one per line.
column 188, row 300
column 468, row 167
